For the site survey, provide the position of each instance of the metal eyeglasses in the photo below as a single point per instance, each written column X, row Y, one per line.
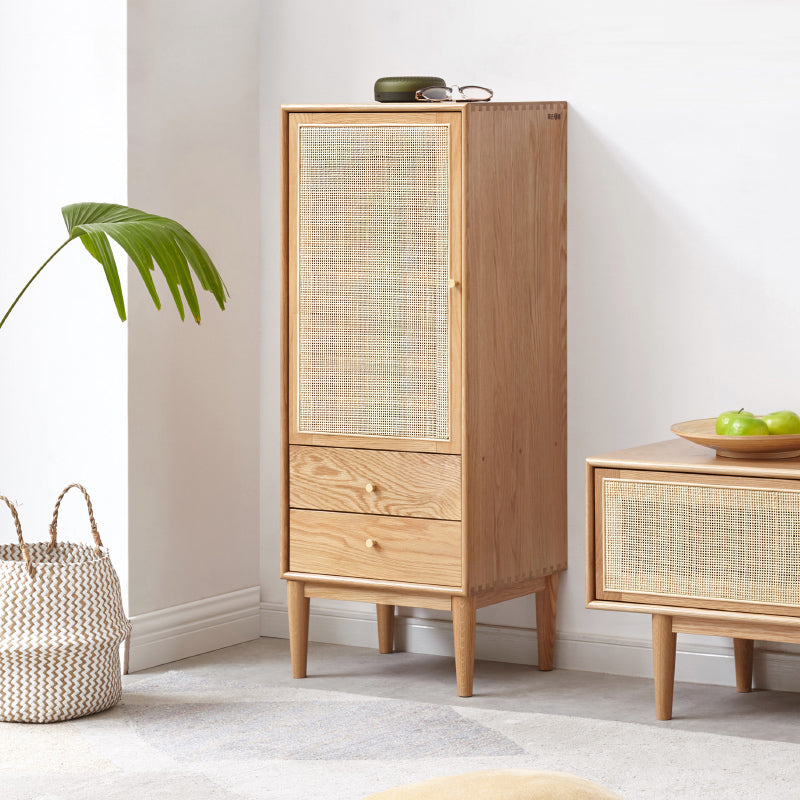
column 461, row 94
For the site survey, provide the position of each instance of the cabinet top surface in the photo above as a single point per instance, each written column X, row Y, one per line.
column 376, row 107
column 678, row 455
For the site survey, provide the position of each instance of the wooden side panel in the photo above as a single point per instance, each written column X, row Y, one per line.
column 515, row 371
column 375, row 482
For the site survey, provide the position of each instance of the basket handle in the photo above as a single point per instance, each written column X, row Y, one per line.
column 26, row 556
column 54, row 524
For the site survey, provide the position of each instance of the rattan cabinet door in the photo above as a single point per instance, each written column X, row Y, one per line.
column 374, row 265
column 714, row 542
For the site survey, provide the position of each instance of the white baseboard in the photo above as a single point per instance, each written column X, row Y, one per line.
column 695, row 663
column 189, row 629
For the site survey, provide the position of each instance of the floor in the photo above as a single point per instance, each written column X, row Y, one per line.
column 763, row 715
column 234, row 725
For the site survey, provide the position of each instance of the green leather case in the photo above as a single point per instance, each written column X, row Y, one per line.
column 401, row 89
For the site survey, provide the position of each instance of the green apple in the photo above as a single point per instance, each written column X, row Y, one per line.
column 747, row 426
column 782, row 422
column 726, row 417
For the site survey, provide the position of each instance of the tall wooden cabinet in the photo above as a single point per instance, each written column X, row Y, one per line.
column 424, row 362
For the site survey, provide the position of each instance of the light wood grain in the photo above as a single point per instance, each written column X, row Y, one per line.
column 597, row 570
column 414, row 108
column 514, row 287
column 334, row 543
column 775, row 629
column 664, row 642
column 590, row 534
column 678, row 455
column 401, row 484
column 369, row 108
column 455, row 296
column 546, row 605
column 743, row 659
column 682, row 602
column 410, row 596
column 385, row 628
column 704, row 621
column 284, row 356
column 491, row 596
column 697, row 479
column 464, row 643
column 298, row 605
column 376, row 443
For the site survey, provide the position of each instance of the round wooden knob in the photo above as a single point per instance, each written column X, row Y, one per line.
column 370, row 543
column 452, row 283
column 370, row 487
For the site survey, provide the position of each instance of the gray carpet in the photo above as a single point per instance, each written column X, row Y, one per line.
column 232, row 725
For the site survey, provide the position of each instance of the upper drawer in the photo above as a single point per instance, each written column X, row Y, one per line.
column 375, row 482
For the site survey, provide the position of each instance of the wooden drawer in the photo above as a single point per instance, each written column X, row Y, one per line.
column 375, row 482
column 411, row 550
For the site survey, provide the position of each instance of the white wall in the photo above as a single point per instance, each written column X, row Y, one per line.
column 62, row 350
column 683, row 240
column 194, row 391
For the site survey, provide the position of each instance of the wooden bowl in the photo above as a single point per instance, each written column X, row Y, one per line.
column 702, row 431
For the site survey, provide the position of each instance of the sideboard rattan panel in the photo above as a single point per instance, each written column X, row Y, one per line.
column 711, row 542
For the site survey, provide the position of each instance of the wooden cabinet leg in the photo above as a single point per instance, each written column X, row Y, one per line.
column 385, row 628
column 546, row 621
column 298, row 626
column 464, row 640
column 743, row 656
column 664, row 641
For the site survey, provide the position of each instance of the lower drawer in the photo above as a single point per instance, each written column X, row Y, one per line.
column 380, row 548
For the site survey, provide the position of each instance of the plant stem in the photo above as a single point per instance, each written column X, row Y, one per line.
column 32, row 280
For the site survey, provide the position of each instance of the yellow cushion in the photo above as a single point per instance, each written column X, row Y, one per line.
column 501, row 784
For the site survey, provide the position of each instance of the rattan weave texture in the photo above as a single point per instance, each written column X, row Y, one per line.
column 373, row 269
column 692, row 540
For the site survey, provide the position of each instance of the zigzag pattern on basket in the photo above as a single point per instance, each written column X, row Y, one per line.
column 61, row 625
column 51, row 685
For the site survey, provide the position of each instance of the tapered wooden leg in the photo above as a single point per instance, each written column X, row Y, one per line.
column 743, row 656
column 664, row 641
column 385, row 628
column 464, row 639
column 546, row 621
column 298, row 627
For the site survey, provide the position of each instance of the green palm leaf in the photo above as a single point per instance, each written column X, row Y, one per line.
column 149, row 241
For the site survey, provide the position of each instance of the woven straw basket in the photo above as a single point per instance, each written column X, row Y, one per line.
column 61, row 625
